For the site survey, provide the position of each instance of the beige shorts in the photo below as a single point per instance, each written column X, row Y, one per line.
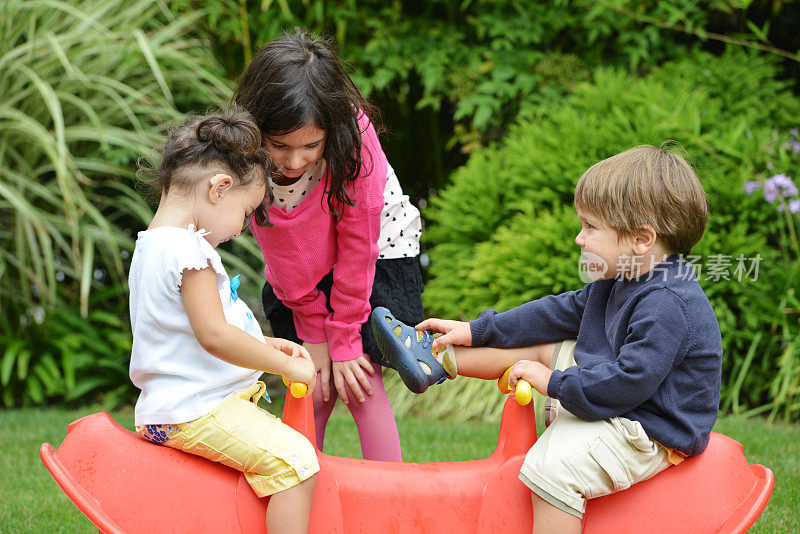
column 575, row 460
column 272, row 456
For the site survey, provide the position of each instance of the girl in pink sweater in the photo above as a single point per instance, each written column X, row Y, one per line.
column 345, row 238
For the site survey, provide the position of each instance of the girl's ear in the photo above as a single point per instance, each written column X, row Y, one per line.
column 218, row 185
column 643, row 240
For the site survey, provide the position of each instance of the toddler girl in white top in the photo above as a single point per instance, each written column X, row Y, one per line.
column 197, row 350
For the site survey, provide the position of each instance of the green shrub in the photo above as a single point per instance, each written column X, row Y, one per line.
column 503, row 232
column 489, row 59
column 452, row 75
column 68, row 358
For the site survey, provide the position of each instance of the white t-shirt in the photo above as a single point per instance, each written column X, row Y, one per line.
column 178, row 379
column 401, row 226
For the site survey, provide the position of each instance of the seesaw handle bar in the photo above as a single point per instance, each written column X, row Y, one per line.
column 298, row 389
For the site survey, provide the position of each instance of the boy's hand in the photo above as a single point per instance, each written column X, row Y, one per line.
column 350, row 374
column 535, row 373
column 453, row 332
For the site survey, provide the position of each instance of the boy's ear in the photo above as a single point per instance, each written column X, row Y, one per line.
column 218, row 185
column 644, row 239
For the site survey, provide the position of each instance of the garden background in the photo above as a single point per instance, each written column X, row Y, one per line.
column 493, row 109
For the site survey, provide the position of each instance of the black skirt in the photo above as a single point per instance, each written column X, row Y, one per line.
column 397, row 286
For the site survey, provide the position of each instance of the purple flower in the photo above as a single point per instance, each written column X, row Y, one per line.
column 794, row 205
column 770, row 192
column 783, row 185
column 795, row 144
column 795, row 132
column 751, row 187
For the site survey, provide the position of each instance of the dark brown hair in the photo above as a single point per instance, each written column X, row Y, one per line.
column 227, row 140
column 297, row 79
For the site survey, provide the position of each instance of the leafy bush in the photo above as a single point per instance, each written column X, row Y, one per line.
column 503, row 232
column 452, row 75
column 489, row 58
column 68, row 358
column 86, row 88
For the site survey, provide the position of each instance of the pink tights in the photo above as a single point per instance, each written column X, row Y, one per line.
column 374, row 419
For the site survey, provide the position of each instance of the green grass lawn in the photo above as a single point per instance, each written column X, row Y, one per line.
column 31, row 502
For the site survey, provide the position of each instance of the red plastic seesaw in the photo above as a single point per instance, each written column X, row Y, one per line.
column 123, row 483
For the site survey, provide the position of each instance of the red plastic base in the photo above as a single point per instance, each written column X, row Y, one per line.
column 123, row 483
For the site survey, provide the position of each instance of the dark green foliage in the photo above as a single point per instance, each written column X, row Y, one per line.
column 452, row 75
column 66, row 358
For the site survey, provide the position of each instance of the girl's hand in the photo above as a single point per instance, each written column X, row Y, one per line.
column 350, row 374
column 536, row 373
column 322, row 363
column 288, row 347
column 453, row 332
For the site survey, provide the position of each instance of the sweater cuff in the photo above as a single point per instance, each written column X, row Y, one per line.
column 310, row 328
column 554, row 384
column 480, row 328
column 344, row 341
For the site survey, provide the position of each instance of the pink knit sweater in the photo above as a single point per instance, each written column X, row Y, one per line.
column 306, row 243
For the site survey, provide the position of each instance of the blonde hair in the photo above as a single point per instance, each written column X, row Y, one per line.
column 646, row 186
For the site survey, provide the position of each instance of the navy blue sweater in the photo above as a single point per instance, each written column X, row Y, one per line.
column 649, row 349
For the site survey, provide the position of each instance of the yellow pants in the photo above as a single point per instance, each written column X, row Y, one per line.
column 273, row 456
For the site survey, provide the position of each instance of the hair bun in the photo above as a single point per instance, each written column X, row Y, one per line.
column 232, row 131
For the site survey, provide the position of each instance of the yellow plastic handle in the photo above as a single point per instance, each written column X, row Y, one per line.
column 298, row 390
column 523, row 393
column 502, row 383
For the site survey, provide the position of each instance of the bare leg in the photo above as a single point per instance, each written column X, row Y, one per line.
column 490, row 364
column 548, row 519
column 289, row 511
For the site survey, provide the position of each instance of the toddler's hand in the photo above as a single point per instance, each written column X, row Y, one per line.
column 455, row 332
column 288, row 347
column 535, row 373
column 302, row 370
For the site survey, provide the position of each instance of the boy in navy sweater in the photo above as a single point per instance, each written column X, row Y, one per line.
column 631, row 362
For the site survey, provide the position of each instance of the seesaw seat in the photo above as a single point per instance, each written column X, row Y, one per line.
column 123, row 483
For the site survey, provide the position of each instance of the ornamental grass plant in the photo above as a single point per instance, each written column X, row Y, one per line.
column 87, row 86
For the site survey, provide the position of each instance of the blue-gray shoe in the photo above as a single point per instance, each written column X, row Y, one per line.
column 407, row 350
